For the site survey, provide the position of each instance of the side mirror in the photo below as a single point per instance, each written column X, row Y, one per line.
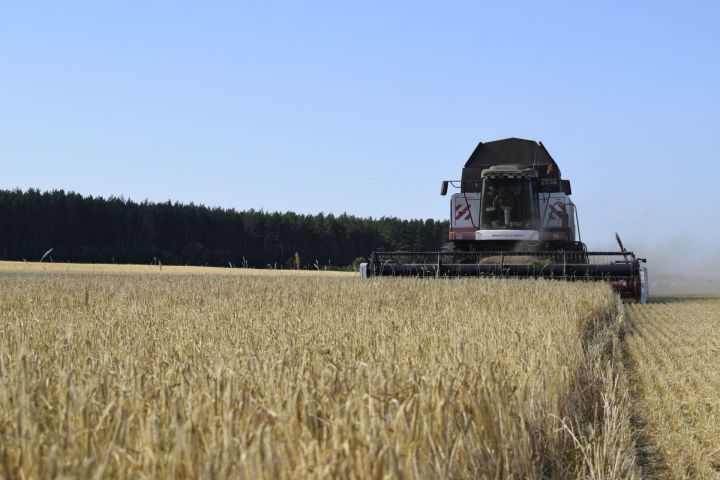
column 566, row 188
column 444, row 187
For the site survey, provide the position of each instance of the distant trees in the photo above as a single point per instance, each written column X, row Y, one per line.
column 94, row 229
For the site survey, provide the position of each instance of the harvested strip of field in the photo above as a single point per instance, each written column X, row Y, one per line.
column 673, row 351
column 281, row 377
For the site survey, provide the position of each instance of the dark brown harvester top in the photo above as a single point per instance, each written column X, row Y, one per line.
column 511, row 151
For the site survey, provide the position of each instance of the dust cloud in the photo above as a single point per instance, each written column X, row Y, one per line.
column 681, row 265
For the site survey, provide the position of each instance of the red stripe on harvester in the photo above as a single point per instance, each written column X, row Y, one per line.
column 463, row 211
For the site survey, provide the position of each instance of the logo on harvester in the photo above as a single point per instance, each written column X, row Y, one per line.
column 462, row 212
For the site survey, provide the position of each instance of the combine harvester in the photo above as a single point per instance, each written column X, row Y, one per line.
column 513, row 217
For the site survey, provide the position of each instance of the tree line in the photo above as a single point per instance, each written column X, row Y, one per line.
column 116, row 230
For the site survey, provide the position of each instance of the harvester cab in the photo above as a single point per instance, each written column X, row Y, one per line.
column 513, row 216
column 509, row 206
column 512, row 197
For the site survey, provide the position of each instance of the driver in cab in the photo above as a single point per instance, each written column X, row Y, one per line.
column 505, row 204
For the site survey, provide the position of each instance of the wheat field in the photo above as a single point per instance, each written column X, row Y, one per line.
column 246, row 374
column 673, row 357
column 155, row 269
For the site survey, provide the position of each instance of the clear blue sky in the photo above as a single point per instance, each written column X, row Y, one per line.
column 364, row 107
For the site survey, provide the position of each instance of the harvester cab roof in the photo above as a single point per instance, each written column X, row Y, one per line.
column 509, row 171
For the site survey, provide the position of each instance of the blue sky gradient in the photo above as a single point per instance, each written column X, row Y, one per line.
column 364, row 107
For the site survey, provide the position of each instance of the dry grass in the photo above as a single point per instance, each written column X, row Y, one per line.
column 673, row 350
column 99, row 268
column 269, row 376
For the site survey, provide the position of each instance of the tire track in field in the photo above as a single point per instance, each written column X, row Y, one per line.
column 648, row 457
column 670, row 356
